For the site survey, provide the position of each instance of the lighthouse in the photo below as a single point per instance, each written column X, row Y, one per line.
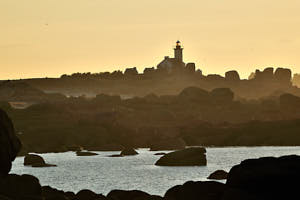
column 178, row 52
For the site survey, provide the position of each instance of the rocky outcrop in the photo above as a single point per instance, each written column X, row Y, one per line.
column 36, row 161
column 218, row 175
column 167, row 144
column 187, row 157
column 10, row 145
column 283, row 75
column 232, row 76
column 128, row 152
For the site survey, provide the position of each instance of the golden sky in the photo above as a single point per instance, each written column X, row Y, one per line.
column 47, row 38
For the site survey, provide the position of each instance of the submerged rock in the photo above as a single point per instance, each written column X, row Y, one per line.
column 128, row 152
column 188, row 157
column 218, row 175
column 160, row 154
column 107, row 147
column 85, row 153
column 36, row 161
column 10, row 145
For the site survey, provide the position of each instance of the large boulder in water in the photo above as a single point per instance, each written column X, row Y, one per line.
column 85, row 153
column 36, row 161
column 187, row 157
column 10, row 145
column 128, row 152
column 267, row 178
column 209, row 190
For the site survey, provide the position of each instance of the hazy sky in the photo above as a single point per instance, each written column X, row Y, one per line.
column 40, row 38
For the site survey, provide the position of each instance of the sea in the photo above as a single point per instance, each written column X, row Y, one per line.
column 102, row 173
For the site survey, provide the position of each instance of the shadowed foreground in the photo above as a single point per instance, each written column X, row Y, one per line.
column 264, row 178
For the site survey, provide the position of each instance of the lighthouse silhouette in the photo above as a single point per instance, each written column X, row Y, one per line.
column 178, row 51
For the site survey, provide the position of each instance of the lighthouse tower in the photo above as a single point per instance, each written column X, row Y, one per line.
column 178, row 51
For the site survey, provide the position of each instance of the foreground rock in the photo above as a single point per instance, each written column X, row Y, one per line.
column 88, row 195
column 10, row 145
column 36, row 161
column 218, row 175
column 85, row 153
column 17, row 187
column 187, row 157
column 267, row 178
column 131, row 195
column 209, row 190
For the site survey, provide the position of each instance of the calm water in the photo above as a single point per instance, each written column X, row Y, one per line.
column 102, row 174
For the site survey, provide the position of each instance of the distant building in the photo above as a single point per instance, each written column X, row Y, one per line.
column 173, row 64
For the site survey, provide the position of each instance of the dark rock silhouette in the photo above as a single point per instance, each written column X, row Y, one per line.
column 187, row 157
column 85, row 153
column 31, row 159
column 196, row 190
column 18, row 187
column 232, row 76
column 89, row 195
column 218, row 175
column 128, row 152
column 283, row 75
column 131, row 71
column 50, row 193
column 267, row 178
column 167, row 144
column 10, row 145
column 36, row 161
